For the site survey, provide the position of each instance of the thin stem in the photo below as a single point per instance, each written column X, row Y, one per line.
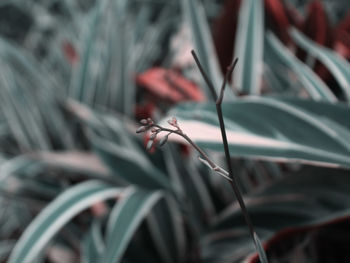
column 205, row 76
column 229, row 71
column 206, row 160
column 233, row 183
column 188, row 139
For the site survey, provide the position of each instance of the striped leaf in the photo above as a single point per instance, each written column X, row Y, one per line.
column 78, row 89
column 166, row 227
column 316, row 88
column 58, row 213
column 305, row 200
column 124, row 220
column 266, row 128
column 249, row 47
column 114, row 145
column 196, row 18
column 338, row 66
column 93, row 243
column 5, row 248
column 188, row 176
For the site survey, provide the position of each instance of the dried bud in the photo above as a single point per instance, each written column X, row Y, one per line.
column 144, row 121
column 173, row 122
column 153, row 136
column 141, row 129
column 163, row 140
column 149, row 145
column 149, row 121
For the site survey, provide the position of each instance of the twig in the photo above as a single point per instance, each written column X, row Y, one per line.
column 229, row 71
column 156, row 129
column 233, row 182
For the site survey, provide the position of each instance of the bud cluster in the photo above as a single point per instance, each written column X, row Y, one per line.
column 155, row 130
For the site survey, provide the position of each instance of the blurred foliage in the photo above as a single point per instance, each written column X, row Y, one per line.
column 77, row 184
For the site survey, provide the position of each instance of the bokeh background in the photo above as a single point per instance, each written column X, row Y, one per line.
column 77, row 183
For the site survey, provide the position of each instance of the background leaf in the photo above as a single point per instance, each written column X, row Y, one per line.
column 124, row 219
column 337, row 65
column 203, row 43
column 270, row 128
column 56, row 215
column 249, row 47
column 299, row 202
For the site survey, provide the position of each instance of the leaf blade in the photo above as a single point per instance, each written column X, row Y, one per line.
column 269, row 129
column 56, row 215
column 249, row 47
column 124, row 220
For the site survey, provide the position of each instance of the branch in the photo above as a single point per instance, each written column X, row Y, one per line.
column 156, row 129
column 233, row 182
column 229, row 71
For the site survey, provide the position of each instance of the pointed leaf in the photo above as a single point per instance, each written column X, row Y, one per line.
column 124, row 220
column 337, row 65
column 271, row 129
column 311, row 82
column 249, row 47
column 196, row 18
column 93, row 244
column 305, row 200
column 56, row 215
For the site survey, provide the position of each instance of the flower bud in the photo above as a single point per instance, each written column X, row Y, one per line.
column 149, row 145
column 173, row 122
column 144, row 121
column 141, row 129
column 163, row 140
column 153, row 136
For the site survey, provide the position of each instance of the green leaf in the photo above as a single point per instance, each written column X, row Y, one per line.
column 129, row 164
column 114, row 145
column 14, row 165
column 80, row 80
column 315, row 86
column 192, row 185
column 300, row 201
column 337, row 65
column 93, row 243
column 27, row 100
column 124, row 220
column 267, row 128
column 59, row 212
column 196, row 18
column 167, row 230
column 249, row 47
column 5, row 248
column 23, row 109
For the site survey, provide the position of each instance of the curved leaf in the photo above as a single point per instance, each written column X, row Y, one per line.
column 302, row 201
column 337, row 65
column 116, row 148
column 129, row 164
column 271, row 129
column 124, row 220
column 196, row 18
column 93, row 244
column 78, row 88
column 167, row 230
column 249, row 47
column 5, row 248
column 317, row 89
column 56, row 215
